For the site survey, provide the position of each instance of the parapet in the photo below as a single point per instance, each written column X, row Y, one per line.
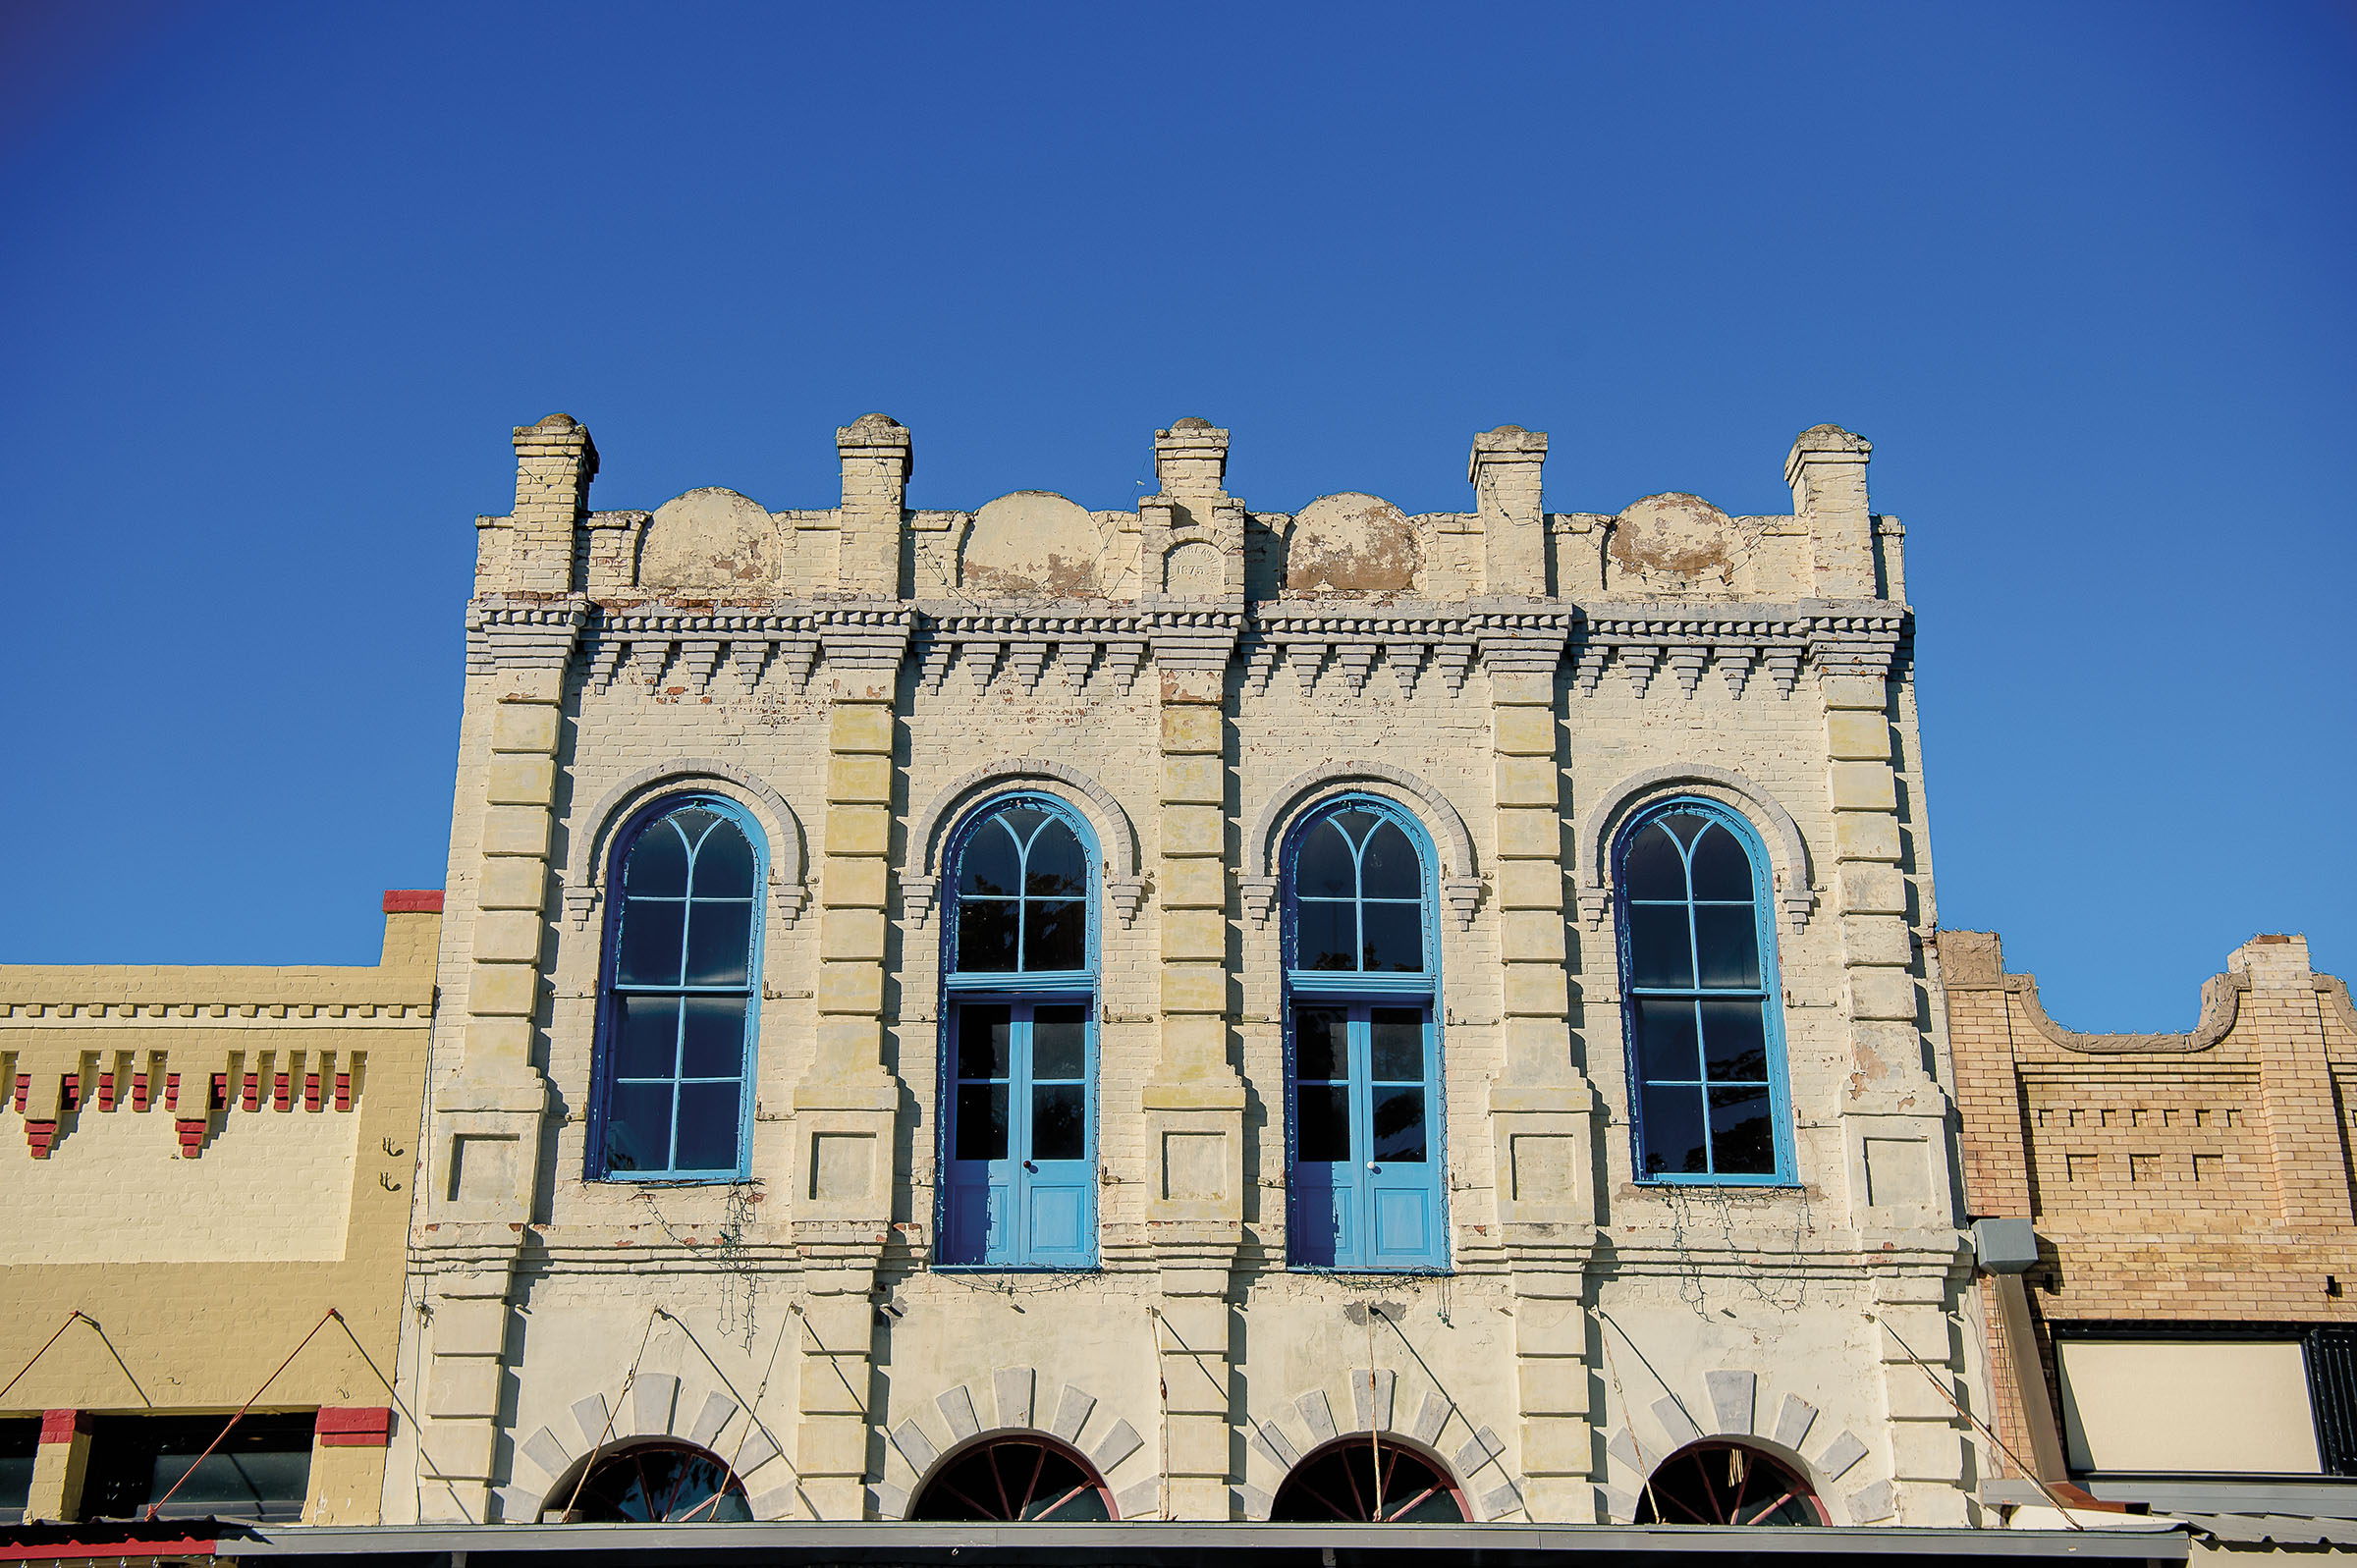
column 1190, row 542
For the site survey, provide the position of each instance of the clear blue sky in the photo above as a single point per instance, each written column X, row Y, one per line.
column 279, row 280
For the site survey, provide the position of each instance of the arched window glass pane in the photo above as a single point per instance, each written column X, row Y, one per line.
column 678, row 1006
column 1056, row 868
column 1362, row 1481
column 1700, row 1005
column 658, row 1483
column 657, row 863
column 1010, row 1479
column 1054, row 933
column 1389, row 867
column 1328, row 937
column 724, row 863
column 1722, row 870
column 720, row 942
column 1023, row 895
column 1661, row 944
column 992, row 863
column 1654, row 868
column 653, row 934
column 1391, row 938
column 1326, row 868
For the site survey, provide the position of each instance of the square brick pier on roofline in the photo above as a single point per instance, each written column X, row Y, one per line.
column 2168, row 1231
column 1190, row 680
column 202, row 1161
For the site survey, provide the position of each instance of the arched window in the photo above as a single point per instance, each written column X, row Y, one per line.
column 1362, row 1083
column 1368, row 1480
column 1017, row 1478
column 1699, row 992
column 679, row 995
column 1718, row 1483
column 1019, row 1071
column 654, row 1484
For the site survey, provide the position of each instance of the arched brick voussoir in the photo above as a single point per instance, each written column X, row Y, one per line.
column 1461, row 874
column 1309, row 1424
column 591, row 834
column 1117, row 837
column 925, row 1440
column 1734, row 1408
column 1787, row 851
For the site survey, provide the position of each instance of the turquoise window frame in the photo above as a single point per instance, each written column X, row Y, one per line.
column 1022, row 989
column 609, row 1011
column 1769, row 992
column 1367, row 989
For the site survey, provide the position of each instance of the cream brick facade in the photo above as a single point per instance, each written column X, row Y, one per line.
column 199, row 1163
column 1188, row 677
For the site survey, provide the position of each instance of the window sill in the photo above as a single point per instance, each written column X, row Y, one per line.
column 1730, row 1184
column 739, row 1179
column 1036, row 1268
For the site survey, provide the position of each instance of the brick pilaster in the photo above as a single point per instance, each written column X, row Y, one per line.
column 845, row 1104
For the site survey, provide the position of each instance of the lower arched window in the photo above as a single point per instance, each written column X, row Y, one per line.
column 657, row 1484
column 1368, row 1480
column 1017, row 1477
column 1726, row 1483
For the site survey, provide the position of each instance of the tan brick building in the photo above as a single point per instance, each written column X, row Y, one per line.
column 1180, row 998
column 2181, row 1333
column 198, row 1165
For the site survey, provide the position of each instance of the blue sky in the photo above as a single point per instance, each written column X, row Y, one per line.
column 279, row 280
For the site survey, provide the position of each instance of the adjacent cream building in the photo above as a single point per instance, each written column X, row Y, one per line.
column 1192, row 1013
column 207, row 1175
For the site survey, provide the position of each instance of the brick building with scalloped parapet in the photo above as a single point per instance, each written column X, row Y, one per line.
column 2170, row 1242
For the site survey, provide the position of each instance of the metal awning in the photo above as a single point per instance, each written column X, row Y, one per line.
column 1157, row 1544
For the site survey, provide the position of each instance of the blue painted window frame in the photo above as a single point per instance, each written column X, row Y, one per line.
column 609, row 1012
column 1769, row 992
column 1018, row 988
column 1368, row 989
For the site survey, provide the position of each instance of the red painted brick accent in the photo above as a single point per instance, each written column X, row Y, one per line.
column 220, row 1096
column 61, row 1426
column 106, row 1090
column 192, row 1138
column 355, row 1425
column 311, row 1091
column 38, row 1136
column 414, row 901
column 24, row 1087
column 139, row 1091
column 69, row 1097
column 282, row 1093
column 343, row 1090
